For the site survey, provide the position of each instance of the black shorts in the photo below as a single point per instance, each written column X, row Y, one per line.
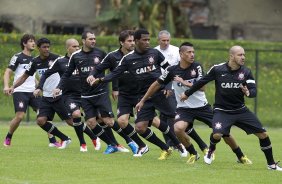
column 96, row 105
column 24, row 99
column 126, row 105
column 49, row 106
column 245, row 119
column 159, row 102
column 72, row 103
column 203, row 114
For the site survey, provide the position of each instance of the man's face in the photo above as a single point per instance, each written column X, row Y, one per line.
column 44, row 49
column 239, row 57
column 30, row 44
column 144, row 43
column 73, row 46
column 187, row 54
column 90, row 41
column 164, row 41
column 129, row 43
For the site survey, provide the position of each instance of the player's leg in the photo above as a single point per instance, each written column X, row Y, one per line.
column 20, row 100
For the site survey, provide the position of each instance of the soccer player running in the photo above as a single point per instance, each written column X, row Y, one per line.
column 95, row 99
column 183, row 76
column 171, row 53
column 124, row 88
column 71, row 93
column 23, row 94
column 48, row 105
column 233, row 81
column 145, row 63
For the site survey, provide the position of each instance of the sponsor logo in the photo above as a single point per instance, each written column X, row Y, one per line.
column 145, row 69
column 230, row 85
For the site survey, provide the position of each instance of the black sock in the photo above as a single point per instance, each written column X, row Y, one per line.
column 99, row 132
column 52, row 139
column 89, row 132
column 238, row 152
column 118, row 130
column 52, row 129
column 165, row 120
column 9, row 135
column 109, row 132
column 78, row 127
column 213, row 143
column 130, row 131
column 265, row 146
column 191, row 149
column 165, row 129
column 194, row 135
column 152, row 138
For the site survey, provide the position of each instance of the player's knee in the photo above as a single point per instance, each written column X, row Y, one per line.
column 122, row 122
column 262, row 135
column 140, row 129
column 76, row 114
column 177, row 128
column 41, row 121
column 217, row 136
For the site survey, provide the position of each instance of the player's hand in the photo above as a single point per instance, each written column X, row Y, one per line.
column 37, row 92
column 245, row 90
column 6, row 90
column 115, row 95
column 139, row 106
column 178, row 79
column 183, row 97
column 90, row 79
column 56, row 92
column 168, row 92
column 10, row 90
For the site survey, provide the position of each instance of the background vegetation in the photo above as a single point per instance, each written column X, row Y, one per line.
column 268, row 69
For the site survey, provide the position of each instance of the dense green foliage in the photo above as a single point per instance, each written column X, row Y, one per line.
column 208, row 52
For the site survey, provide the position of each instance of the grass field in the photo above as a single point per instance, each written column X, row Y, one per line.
column 30, row 161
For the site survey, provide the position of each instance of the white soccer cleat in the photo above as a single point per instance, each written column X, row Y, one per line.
column 83, row 148
column 274, row 167
column 183, row 152
column 65, row 143
column 141, row 151
column 208, row 158
column 121, row 148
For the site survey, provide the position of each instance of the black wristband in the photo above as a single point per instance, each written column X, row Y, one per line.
column 186, row 93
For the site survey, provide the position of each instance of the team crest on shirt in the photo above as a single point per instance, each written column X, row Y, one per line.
column 241, row 76
column 177, row 116
column 151, row 60
column 193, row 73
column 96, row 60
column 21, row 104
column 72, row 105
column 50, row 63
column 218, row 125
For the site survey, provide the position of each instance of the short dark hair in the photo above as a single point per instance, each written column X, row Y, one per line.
column 25, row 39
column 84, row 34
column 139, row 32
column 125, row 34
column 42, row 41
column 189, row 44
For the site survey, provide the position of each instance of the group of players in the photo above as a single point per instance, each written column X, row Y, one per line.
column 165, row 78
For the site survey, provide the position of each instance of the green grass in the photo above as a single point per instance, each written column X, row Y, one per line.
column 30, row 161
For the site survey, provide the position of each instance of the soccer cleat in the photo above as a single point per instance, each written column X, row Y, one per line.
column 121, row 148
column 133, row 146
column 83, row 148
column 165, row 154
column 97, row 143
column 208, row 157
column 55, row 144
column 275, row 167
column 7, row 142
column 182, row 150
column 206, row 150
column 192, row 158
column 65, row 143
column 244, row 160
column 141, row 151
column 111, row 149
